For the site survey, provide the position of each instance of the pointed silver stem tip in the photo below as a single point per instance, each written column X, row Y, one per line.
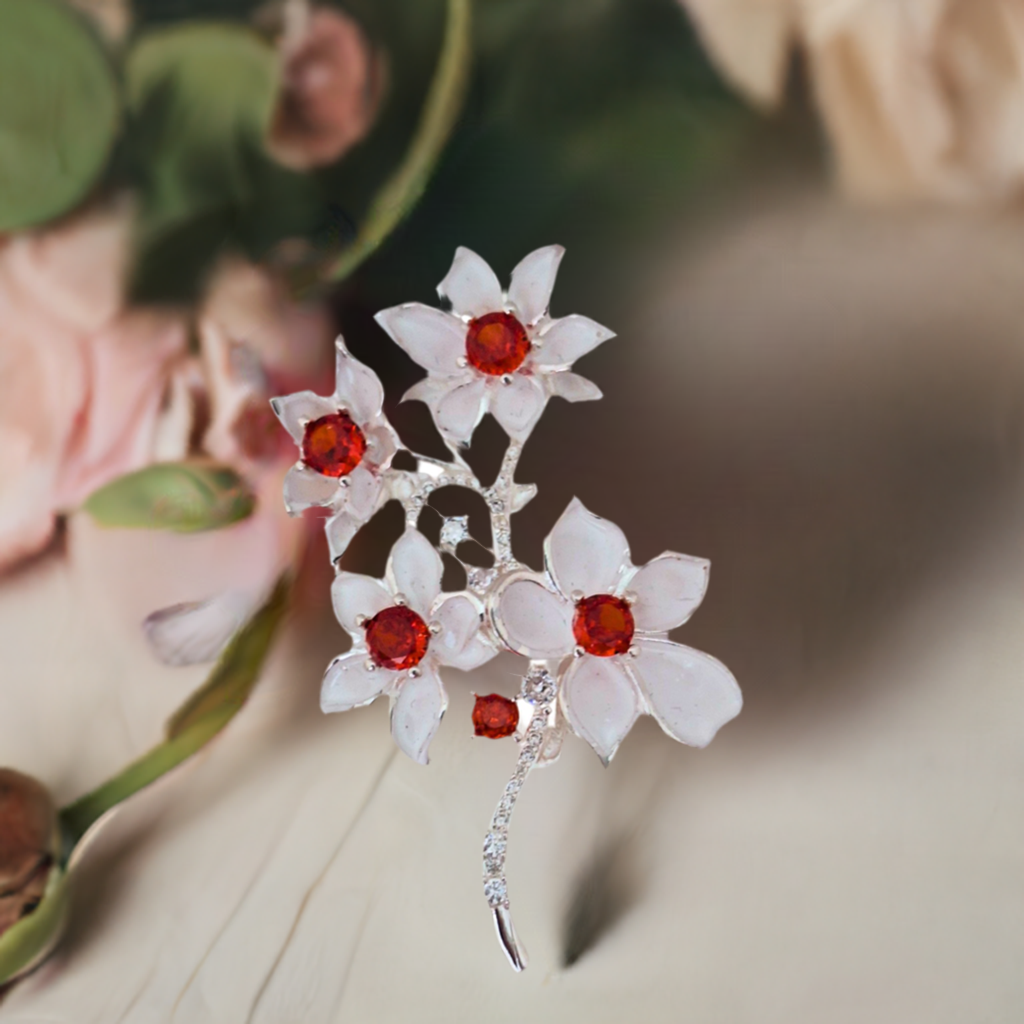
column 507, row 937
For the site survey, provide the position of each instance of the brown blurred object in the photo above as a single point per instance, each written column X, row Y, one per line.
column 28, row 844
column 921, row 99
column 331, row 86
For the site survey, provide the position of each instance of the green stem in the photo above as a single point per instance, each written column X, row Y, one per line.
column 400, row 193
column 194, row 724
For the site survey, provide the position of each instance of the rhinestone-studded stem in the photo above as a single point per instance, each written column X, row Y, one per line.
column 503, row 498
column 499, row 502
column 538, row 690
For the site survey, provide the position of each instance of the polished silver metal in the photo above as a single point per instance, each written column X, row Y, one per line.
column 515, row 952
column 537, row 694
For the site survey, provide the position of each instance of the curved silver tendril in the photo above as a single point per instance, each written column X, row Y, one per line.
column 539, row 690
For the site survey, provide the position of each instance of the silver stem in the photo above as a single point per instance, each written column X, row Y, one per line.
column 503, row 497
column 538, row 690
column 499, row 498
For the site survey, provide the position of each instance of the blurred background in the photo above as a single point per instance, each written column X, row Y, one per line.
column 803, row 222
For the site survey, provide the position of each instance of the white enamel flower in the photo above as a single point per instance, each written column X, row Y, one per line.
column 403, row 630
column 495, row 352
column 345, row 445
column 614, row 618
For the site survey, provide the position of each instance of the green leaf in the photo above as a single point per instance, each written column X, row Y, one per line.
column 59, row 111
column 198, row 720
column 30, row 939
column 179, row 496
column 201, row 96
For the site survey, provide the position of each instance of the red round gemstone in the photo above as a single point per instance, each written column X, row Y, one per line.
column 397, row 638
column 497, row 343
column 603, row 625
column 333, row 445
column 495, row 716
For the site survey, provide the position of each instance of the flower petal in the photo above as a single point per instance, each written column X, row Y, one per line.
column 533, row 280
column 569, row 338
column 434, row 339
column 353, row 595
column 414, row 570
column 476, row 653
column 532, row 620
column 668, row 590
column 381, row 446
column 518, row 405
column 572, row 387
column 750, row 42
column 363, row 489
column 431, row 389
column 357, row 387
column 340, row 530
column 584, row 552
column 350, row 683
column 601, row 702
column 691, row 694
column 471, row 285
column 416, row 713
column 306, row 488
column 295, row 411
column 197, row 631
column 461, row 409
column 459, row 619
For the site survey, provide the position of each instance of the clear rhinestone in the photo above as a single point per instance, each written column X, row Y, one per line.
column 480, row 579
column 494, row 852
column 454, row 531
column 496, row 891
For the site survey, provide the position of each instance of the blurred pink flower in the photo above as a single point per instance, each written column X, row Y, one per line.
column 81, row 378
column 252, row 306
column 331, row 85
column 205, row 586
column 921, row 98
column 91, row 389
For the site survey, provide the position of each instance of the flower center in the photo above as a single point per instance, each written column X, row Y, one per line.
column 603, row 625
column 497, row 343
column 333, row 445
column 397, row 638
column 495, row 716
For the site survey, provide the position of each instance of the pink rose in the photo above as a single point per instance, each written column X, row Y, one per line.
column 200, row 588
column 331, row 85
column 81, row 379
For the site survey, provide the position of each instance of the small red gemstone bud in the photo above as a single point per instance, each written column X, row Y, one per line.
column 333, row 445
column 603, row 625
column 397, row 638
column 497, row 344
column 495, row 716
